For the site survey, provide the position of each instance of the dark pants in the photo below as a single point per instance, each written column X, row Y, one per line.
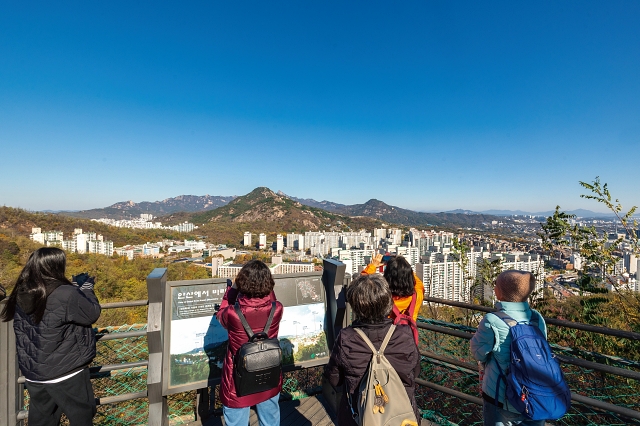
column 73, row 397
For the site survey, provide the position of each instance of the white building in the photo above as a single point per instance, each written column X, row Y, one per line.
column 229, row 270
column 295, row 241
column 100, row 247
column 279, row 243
column 247, row 239
column 183, row 227
column 216, row 262
column 262, row 241
column 69, row 245
column 412, row 254
column 443, row 278
column 576, row 261
column 53, row 237
column 195, row 245
column 292, row 268
column 125, row 251
column 82, row 242
column 630, row 263
column 37, row 235
column 357, row 258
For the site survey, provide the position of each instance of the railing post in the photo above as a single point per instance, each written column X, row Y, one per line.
column 11, row 392
column 156, row 284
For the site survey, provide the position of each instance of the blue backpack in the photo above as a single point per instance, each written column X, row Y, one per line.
column 535, row 385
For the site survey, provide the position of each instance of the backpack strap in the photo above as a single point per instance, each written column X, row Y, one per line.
column 412, row 306
column 506, row 318
column 383, row 346
column 410, row 310
column 535, row 318
column 245, row 324
column 270, row 319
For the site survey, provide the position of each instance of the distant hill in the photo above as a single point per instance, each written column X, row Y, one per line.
column 17, row 222
column 579, row 213
column 262, row 210
column 396, row 215
column 130, row 209
column 324, row 205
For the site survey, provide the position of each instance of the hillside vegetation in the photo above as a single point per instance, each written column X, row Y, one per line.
column 117, row 278
column 263, row 211
column 17, row 222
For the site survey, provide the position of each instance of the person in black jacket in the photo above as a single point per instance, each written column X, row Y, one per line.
column 371, row 302
column 54, row 339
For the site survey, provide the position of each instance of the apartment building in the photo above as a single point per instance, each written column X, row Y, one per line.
column 356, row 259
column 279, row 243
column 292, row 268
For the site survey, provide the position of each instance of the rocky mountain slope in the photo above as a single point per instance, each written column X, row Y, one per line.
column 262, row 210
column 130, row 209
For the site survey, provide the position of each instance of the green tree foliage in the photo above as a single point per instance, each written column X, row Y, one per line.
column 595, row 305
column 18, row 222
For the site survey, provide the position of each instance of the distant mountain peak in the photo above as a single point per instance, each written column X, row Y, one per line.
column 130, row 209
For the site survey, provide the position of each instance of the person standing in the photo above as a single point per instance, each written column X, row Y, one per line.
column 491, row 343
column 371, row 302
column 55, row 342
column 403, row 282
column 253, row 293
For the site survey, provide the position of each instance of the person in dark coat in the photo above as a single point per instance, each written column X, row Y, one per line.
column 55, row 342
column 253, row 290
column 371, row 302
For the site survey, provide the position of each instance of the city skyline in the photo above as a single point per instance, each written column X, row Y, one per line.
column 428, row 107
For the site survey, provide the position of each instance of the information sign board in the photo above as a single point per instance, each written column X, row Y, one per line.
column 195, row 343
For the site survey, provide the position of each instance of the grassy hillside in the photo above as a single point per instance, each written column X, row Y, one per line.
column 17, row 222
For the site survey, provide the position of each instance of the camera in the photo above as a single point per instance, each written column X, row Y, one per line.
column 82, row 278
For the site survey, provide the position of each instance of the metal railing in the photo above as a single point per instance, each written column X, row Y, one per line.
column 624, row 412
column 11, row 396
column 98, row 371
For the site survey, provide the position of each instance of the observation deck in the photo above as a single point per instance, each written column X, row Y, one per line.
column 133, row 387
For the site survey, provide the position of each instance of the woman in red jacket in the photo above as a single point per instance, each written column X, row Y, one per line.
column 253, row 290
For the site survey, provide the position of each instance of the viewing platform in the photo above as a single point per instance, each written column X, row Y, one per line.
column 138, row 380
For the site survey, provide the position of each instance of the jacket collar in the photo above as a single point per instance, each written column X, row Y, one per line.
column 383, row 324
column 512, row 306
column 255, row 302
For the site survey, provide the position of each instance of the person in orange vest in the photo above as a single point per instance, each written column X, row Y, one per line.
column 403, row 282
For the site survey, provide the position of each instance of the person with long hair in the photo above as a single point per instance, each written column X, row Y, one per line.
column 403, row 282
column 52, row 319
column 252, row 293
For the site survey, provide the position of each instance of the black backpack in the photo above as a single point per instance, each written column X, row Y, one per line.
column 258, row 363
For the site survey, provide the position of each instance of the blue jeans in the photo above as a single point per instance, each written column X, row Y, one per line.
column 495, row 416
column 268, row 414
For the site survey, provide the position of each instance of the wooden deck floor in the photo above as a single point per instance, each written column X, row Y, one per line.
column 310, row 411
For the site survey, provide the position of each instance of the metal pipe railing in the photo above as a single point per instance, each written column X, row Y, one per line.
column 101, row 371
column 621, row 372
column 129, row 304
column 553, row 321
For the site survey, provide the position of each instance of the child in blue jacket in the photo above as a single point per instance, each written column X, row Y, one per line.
column 491, row 342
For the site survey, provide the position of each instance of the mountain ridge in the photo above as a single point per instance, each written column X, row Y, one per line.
column 130, row 209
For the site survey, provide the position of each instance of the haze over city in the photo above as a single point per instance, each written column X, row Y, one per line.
column 429, row 106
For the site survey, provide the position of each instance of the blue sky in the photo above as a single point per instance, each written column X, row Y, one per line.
column 424, row 105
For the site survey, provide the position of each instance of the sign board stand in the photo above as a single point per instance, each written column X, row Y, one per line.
column 187, row 344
